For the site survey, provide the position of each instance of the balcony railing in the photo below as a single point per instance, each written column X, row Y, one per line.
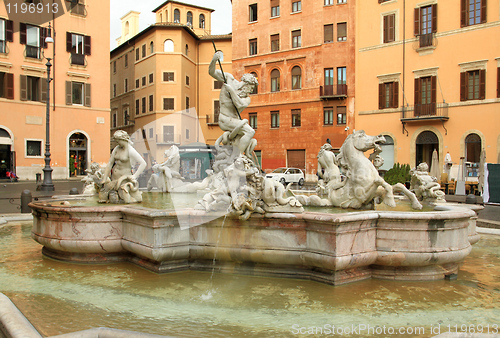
column 78, row 59
column 331, row 91
column 428, row 111
column 426, row 40
column 33, row 52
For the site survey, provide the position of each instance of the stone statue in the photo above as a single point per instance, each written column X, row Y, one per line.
column 92, row 182
column 362, row 186
column 424, row 185
column 328, row 171
column 123, row 186
column 166, row 175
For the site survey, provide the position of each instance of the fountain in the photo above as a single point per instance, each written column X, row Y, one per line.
column 267, row 233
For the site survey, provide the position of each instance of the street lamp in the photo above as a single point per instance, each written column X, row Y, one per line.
column 47, row 184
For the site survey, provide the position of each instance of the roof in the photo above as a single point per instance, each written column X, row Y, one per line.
column 181, row 3
column 216, row 37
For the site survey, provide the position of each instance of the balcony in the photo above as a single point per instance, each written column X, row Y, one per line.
column 33, row 52
column 78, row 59
column 426, row 40
column 77, row 8
column 333, row 92
column 212, row 120
column 425, row 112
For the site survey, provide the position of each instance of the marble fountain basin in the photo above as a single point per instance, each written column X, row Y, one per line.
column 329, row 248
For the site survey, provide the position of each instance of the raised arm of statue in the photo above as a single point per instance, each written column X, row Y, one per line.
column 213, row 71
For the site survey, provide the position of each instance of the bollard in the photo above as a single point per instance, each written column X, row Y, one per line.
column 73, row 191
column 470, row 199
column 26, row 198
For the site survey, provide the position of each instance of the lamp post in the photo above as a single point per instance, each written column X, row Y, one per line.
column 47, row 184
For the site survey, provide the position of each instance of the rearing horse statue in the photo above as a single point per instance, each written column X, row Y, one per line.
column 362, row 186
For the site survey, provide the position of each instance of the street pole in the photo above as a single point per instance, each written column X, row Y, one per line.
column 47, row 184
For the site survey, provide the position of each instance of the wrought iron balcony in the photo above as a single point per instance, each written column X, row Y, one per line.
column 78, row 59
column 428, row 111
column 33, row 52
column 333, row 92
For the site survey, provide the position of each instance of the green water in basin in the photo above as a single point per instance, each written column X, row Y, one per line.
column 60, row 297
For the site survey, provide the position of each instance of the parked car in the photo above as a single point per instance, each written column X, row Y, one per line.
column 287, row 175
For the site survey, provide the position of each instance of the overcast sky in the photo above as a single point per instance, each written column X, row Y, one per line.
column 221, row 17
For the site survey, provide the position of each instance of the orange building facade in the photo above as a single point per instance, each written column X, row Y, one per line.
column 161, row 92
column 302, row 53
column 429, row 77
column 79, row 116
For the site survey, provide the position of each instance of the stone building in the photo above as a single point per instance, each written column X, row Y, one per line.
column 79, row 115
column 302, row 53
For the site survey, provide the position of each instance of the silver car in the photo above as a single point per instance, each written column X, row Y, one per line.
column 287, row 175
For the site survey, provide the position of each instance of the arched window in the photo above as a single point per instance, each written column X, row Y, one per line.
column 255, row 88
column 127, row 27
column 472, row 148
column 275, row 80
column 189, row 19
column 168, row 46
column 151, row 47
column 202, row 21
column 296, row 78
column 387, row 153
column 177, row 16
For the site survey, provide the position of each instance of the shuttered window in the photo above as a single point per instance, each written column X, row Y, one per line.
column 78, row 93
column 472, row 12
column 7, row 85
column 168, row 104
column 425, row 20
column 342, row 31
column 296, row 38
column 328, row 33
column 388, row 95
column 275, row 42
column 389, row 28
column 473, row 85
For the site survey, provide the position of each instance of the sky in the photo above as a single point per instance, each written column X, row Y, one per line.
column 221, row 17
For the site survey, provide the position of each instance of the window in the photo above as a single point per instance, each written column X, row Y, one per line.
column 275, row 119
column 296, row 39
column 341, row 115
column 473, row 148
column 328, row 2
column 114, row 66
column 186, row 50
column 7, row 85
column 150, row 78
column 341, row 81
column 78, row 93
column 342, row 31
column 275, row 42
column 126, row 117
column 389, row 28
column 187, row 134
column 341, row 1
column 137, row 83
column 168, row 134
column 144, row 50
column 177, row 16
column 79, row 46
column 328, row 33
column 296, row 78
column 151, row 103
column 143, row 81
column 252, row 120
column 202, row 21
column 189, row 19
column 33, row 148
column 296, row 6
column 275, row 8
column 33, row 88
column 252, row 47
column 328, row 116
column 143, row 110
column 388, row 95
column 187, row 80
column 425, row 24
column 328, row 89
column 168, row 104
column 216, row 111
column 113, row 122
column 151, row 132
column 137, row 57
column 6, row 34
column 126, row 61
column 425, row 96
column 252, row 12
column 151, row 47
column 137, row 107
column 472, row 12
column 168, row 46
column 34, row 39
column 275, row 80
column 472, row 85
column 498, row 81
column 295, row 117
column 77, row 7
column 187, row 102
column 218, row 84
column 255, row 88
column 168, row 76
column 125, row 86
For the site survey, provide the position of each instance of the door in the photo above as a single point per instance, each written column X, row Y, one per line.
column 426, row 142
column 77, row 154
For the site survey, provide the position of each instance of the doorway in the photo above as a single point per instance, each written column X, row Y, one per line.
column 77, row 154
column 6, row 155
column 426, row 142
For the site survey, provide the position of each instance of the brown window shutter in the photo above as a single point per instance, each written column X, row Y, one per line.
column 498, row 82
column 463, row 13
column 433, row 89
column 434, row 18
column 9, row 30
column 482, row 84
column 386, row 27
column 22, row 33
column 87, row 95
column 395, row 94
column 44, row 32
column 23, row 83
column 417, row 21
column 69, row 99
column 483, row 11
column 69, row 42
column 463, row 86
column 392, row 28
column 86, row 45
column 43, row 90
column 381, row 95
column 10, row 86
column 416, row 99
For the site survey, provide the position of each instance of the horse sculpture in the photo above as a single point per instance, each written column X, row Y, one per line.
column 362, row 186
